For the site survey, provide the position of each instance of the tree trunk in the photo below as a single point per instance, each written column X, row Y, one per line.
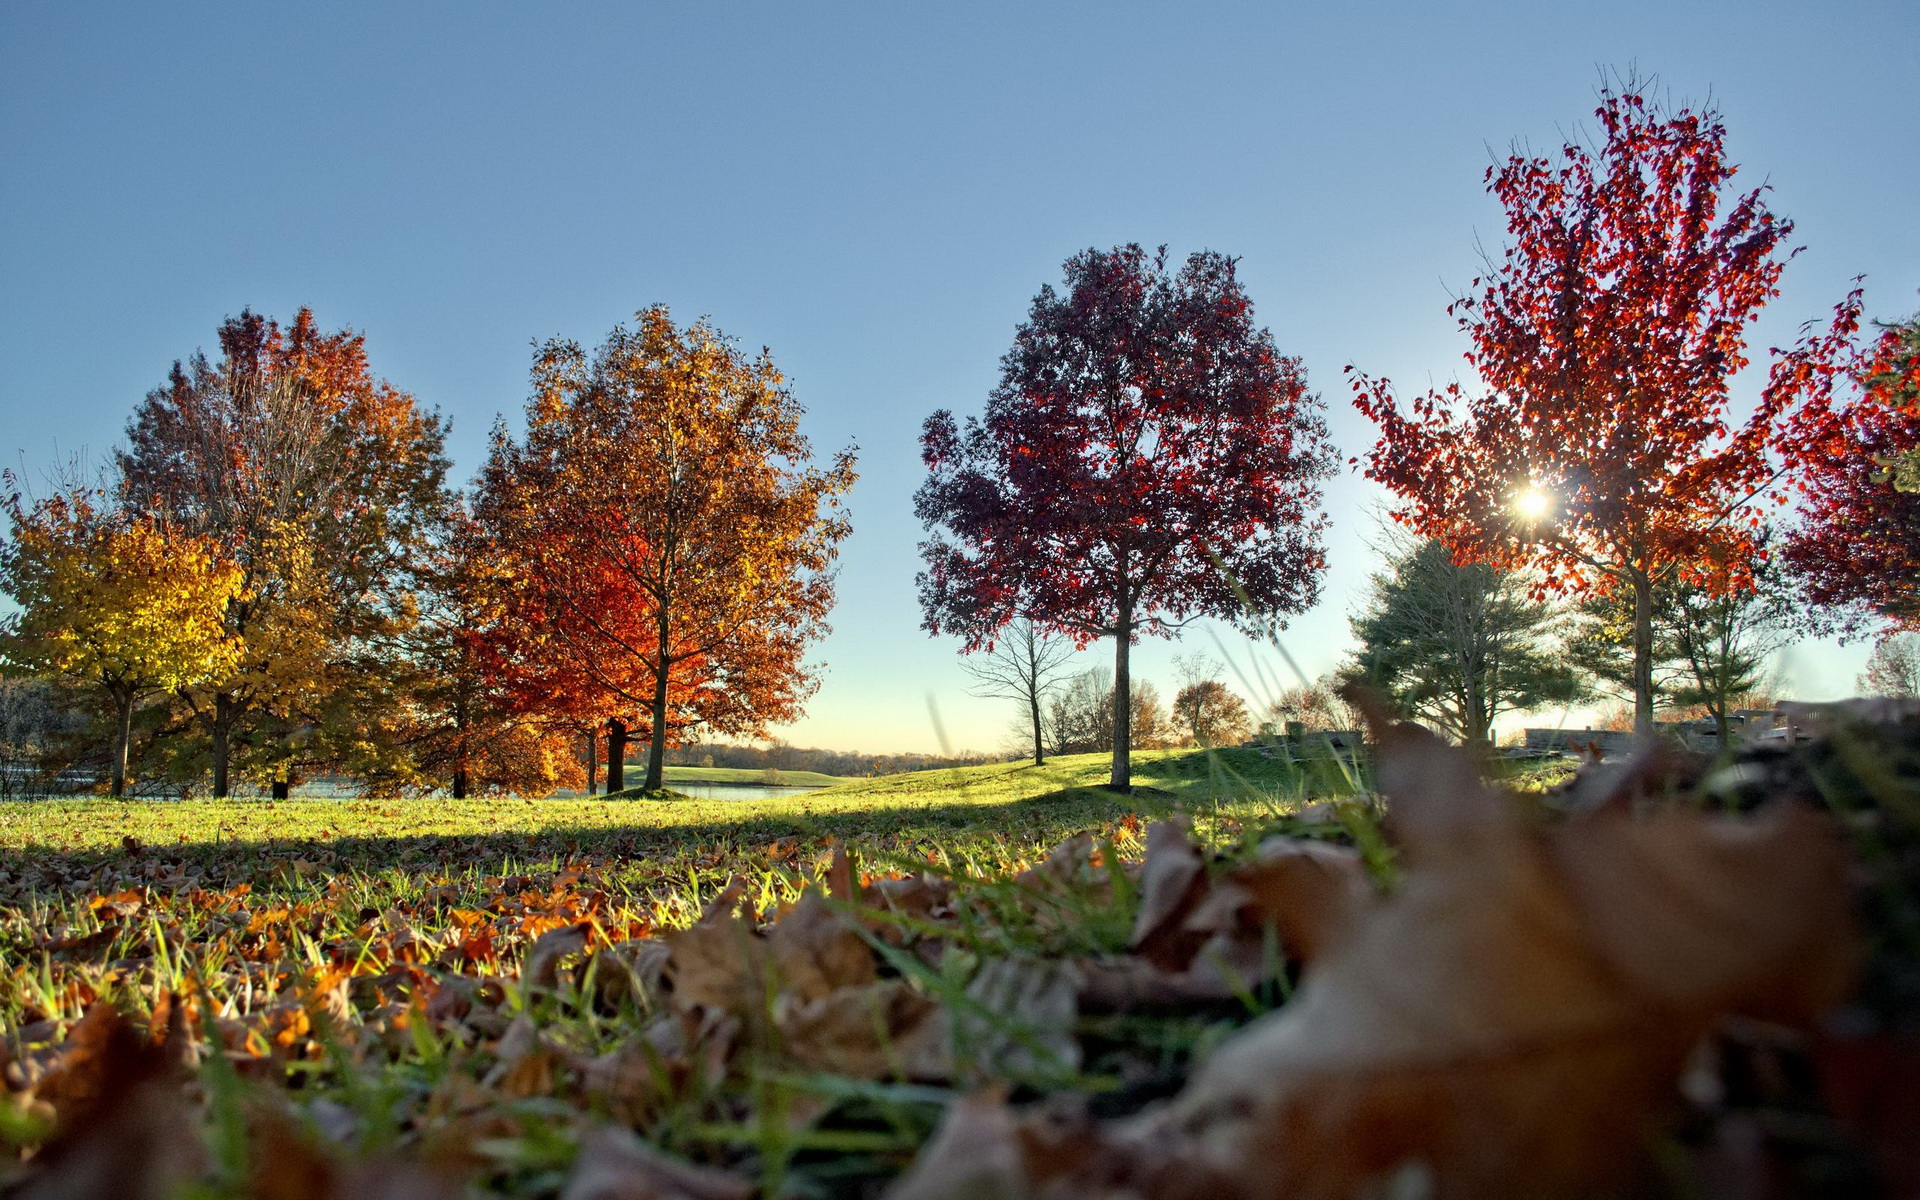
column 1033, row 706
column 1122, row 780
column 122, row 733
column 593, row 761
column 616, row 755
column 222, row 743
column 657, row 747
column 1642, row 652
column 459, row 783
column 283, row 787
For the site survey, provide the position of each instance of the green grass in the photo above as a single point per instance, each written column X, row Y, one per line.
column 763, row 777
column 254, row 907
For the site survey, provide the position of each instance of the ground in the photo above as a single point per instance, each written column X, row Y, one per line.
column 370, row 954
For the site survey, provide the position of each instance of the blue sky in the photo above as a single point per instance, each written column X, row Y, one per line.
column 874, row 192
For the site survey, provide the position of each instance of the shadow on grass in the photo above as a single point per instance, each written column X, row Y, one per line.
column 895, row 824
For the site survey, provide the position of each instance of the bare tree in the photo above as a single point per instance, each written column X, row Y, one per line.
column 1893, row 669
column 1025, row 664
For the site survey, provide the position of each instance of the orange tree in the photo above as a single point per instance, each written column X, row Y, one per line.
column 121, row 601
column 667, row 537
column 1148, row 458
column 1600, row 451
column 464, row 725
column 323, row 482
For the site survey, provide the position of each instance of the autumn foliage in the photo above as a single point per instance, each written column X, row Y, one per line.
column 1604, row 339
column 120, row 601
column 1856, row 546
column 667, row 537
column 320, row 481
column 1148, row 457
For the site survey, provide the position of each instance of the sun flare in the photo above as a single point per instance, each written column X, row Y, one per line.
column 1533, row 502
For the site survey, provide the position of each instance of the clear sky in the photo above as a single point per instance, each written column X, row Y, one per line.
column 874, row 191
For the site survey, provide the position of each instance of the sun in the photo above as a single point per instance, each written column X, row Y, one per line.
column 1533, row 502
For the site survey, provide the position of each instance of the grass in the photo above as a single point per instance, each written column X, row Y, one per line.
column 324, row 942
column 766, row 777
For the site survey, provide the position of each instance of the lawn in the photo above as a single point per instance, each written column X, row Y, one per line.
column 765, row 777
column 339, row 944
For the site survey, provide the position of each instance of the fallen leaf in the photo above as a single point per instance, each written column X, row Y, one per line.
column 1172, row 884
column 816, row 950
column 122, row 1130
column 1018, row 1018
column 877, row 1031
column 1517, row 1015
column 976, row 1152
column 542, row 968
column 1308, row 891
column 615, row 1165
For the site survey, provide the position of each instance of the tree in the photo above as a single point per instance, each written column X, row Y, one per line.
column 1148, row 457
column 1211, row 714
column 1080, row 715
column 1600, row 451
column 1855, row 550
column 1317, row 706
column 1458, row 644
column 118, row 600
column 1023, row 663
column 1893, row 669
column 465, row 727
column 322, row 481
column 1720, row 641
column 664, row 517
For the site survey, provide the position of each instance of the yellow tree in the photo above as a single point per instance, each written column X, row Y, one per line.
column 121, row 601
column 669, row 539
column 324, row 480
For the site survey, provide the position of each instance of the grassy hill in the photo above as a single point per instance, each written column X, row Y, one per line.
column 750, row 775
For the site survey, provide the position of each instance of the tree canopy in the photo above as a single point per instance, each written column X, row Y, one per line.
column 668, row 538
column 1458, row 644
column 1148, row 457
column 322, row 481
column 1600, row 450
column 1856, row 547
column 120, row 601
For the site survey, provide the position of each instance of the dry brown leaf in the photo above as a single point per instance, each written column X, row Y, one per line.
column 1065, row 865
column 842, row 879
column 1513, row 1021
column 615, row 1165
column 877, row 1031
column 287, row 1166
column 1019, row 1017
column 122, row 1130
column 816, row 950
column 1309, row 891
column 627, row 971
column 976, row 1152
column 526, row 1064
column 1172, row 884
column 542, row 968
column 719, row 962
column 1518, row 1014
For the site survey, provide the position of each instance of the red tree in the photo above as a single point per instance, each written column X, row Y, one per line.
column 1856, row 548
column 1147, row 458
column 1600, row 452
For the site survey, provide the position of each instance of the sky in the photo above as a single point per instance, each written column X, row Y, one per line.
column 874, row 192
